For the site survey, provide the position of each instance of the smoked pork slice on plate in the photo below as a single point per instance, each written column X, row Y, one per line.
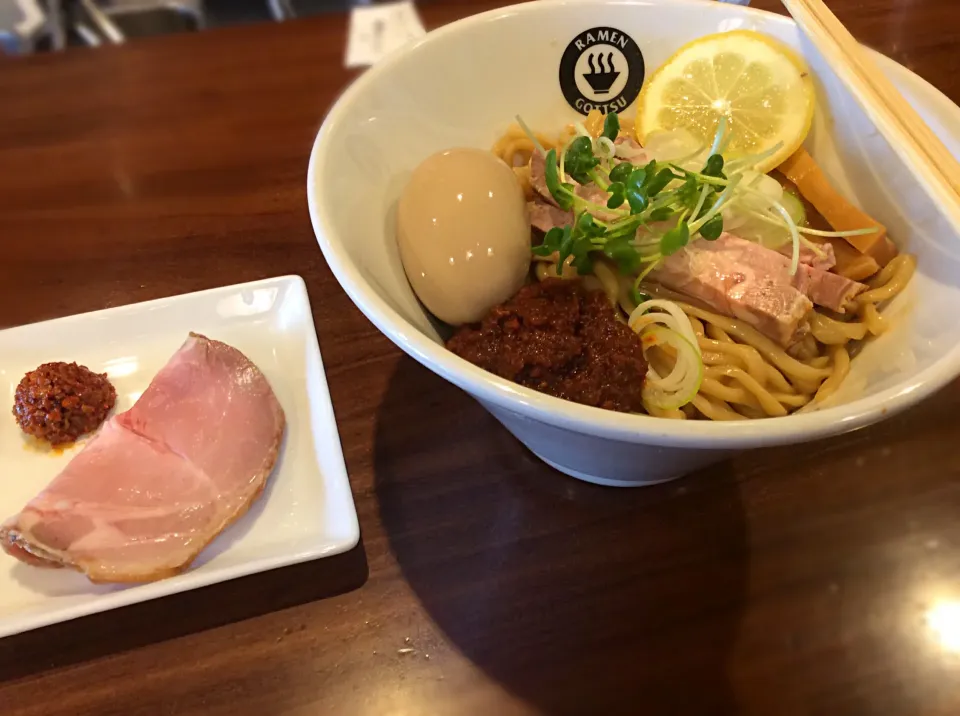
column 159, row 482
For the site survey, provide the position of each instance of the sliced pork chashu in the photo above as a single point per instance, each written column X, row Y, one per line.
column 750, row 282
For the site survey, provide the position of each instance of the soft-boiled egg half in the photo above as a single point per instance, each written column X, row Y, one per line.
column 463, row 234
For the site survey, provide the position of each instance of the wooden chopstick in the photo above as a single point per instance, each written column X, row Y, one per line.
column 926, row 156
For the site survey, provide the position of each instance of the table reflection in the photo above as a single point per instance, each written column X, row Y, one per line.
column 943, row 618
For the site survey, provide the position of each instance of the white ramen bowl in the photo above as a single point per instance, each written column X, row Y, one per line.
column 463, row 84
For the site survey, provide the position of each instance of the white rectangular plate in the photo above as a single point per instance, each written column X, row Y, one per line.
column 306, row 510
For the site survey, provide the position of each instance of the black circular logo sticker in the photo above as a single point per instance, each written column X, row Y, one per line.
column 602, row 68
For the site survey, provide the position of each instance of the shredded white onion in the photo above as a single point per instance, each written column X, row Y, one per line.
column 641, row 317
column 670, row 326
column 627, row 150
column 683, row 383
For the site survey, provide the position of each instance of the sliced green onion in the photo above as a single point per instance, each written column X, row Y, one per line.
column 836, row 234
column 606, row 146
column 563, row 154
column 720, row 135
column 654, row 261
column 794, row 237
column 703, row 178
column 530, row 135
column 700, row 202
column 718, row 205
column 774, row 221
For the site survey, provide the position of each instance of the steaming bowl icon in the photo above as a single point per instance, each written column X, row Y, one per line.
column 601, row 81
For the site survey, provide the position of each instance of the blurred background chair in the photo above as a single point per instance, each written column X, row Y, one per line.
column 41, row 25
column 138, row 18
column 96, row 21
column 190, row 12
column 22, row 24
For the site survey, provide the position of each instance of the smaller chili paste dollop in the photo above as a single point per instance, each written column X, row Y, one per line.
column 59, row 402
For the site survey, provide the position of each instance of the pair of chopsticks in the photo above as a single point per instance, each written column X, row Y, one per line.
column 924, row 154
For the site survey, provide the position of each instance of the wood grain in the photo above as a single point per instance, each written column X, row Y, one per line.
column 785, row 581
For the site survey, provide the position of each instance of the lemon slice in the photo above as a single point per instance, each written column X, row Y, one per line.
column 763, row 89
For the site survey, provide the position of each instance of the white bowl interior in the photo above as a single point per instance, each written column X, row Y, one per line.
column 463, row 85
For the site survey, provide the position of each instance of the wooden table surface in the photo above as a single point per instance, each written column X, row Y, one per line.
column 821, row 579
